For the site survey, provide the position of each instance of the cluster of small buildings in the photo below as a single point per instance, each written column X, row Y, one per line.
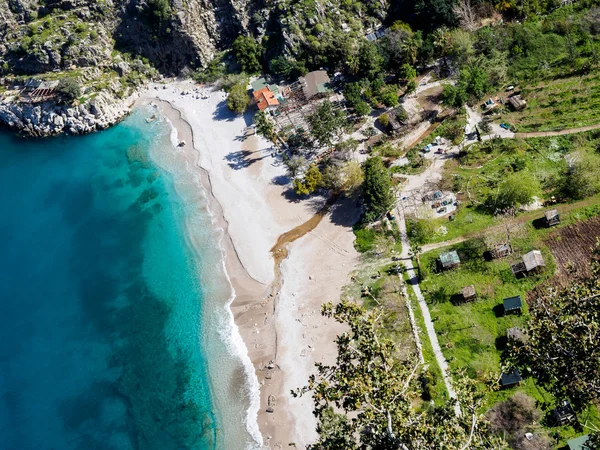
column 270, row 97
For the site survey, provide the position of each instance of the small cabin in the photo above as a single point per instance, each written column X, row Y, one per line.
column 578, row 443
column 532, row 262
column 508, row 380
column 512, row 305
column 551, row 218
column 517, row 102
column 468, row 293
column 501, row 250
column 563, row 413
column 449, row 260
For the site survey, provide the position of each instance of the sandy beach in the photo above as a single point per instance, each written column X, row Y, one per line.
column 277, row 300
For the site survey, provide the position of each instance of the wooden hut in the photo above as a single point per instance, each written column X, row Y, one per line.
column 517, row 102
column 563, row 413
column 512, row 305
column 449, row 260
column 551, row 218
column 468, row 293
column 532, row 262
column 501, row 250
column 508, row 380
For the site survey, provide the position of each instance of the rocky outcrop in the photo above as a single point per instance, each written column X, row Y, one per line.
column 48, row 119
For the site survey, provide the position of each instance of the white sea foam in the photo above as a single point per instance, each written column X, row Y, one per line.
column 228, row 330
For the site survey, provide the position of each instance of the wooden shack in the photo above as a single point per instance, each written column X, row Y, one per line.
column 501, row 250
column 508, row 380
column 449, row 260
column 512, row 305
column 517, row 102
column 563, row 413
column 468, row 293
column 532, row 262
column 551, row 218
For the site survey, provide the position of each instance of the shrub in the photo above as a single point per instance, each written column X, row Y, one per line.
column 237, row 100
column 384, row 120
column 69, row 89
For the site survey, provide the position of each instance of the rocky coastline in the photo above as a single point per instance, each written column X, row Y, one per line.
column 51, row 119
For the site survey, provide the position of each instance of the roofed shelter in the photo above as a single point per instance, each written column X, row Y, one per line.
column 315, row 84
column 532, row 262
column 551, row 218
column 501, row 250
column 468, row 293
column 511, row 379
column 449, row 260
column 512, row 305
column 517, row 102
column 265, row 99
column 578, row 443
column 563, row 413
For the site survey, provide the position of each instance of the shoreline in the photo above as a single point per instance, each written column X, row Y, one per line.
column 283, row 337
column 241, row 283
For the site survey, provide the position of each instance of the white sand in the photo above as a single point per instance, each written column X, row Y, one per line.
column 245, row 181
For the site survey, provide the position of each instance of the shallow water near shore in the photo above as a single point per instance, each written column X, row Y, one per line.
column 115, row 329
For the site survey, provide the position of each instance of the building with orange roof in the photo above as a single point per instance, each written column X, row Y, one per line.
column 265, row 98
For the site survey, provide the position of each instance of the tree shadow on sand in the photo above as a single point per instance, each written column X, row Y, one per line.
column 242, row 159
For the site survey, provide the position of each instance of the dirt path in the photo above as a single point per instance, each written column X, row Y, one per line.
column 414, row 282
column 558, row 133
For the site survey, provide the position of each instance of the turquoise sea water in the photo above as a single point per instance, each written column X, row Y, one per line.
column 108, row 317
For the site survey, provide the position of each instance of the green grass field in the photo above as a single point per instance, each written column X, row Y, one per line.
column 560, row 104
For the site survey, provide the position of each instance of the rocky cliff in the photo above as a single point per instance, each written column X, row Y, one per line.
column 110, row 47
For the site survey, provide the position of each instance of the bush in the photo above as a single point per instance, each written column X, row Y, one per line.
column 237, row 100
column 384, row 120
column 69, row 89
column 248, row 54
column 365, row 239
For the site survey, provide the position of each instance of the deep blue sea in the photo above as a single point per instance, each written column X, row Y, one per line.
column 102, row 299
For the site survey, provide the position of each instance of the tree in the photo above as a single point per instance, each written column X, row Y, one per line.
column 264, row 126
column 465, row 13
column 326, row 123
column 374, row 389
column 407, row 73
column 362, row 108
column 295, row 164
column 379, row 197
column 69, row 89
column 384, row 120
column 515, row 190
column 237, row 100
column 313, row 179
column 370, row 61
column 248, row 54
column 389, row 96
column 454, row 96
column 282, row 66
column 563, row 348
column 159, row 10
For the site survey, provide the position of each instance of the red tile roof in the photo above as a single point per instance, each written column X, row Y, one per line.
column 265, row 98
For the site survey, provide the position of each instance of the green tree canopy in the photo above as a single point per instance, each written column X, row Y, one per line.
column 374, row 389
column 563, row 348
column 248, row 54
column 370, row 61
column 515, row 190
column 69, row 89
column 237, row 100
column 379, row 197
column 326, row 123
column 313, row 179
column 264, row 126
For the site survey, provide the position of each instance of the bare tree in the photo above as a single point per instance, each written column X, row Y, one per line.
column 466, row 15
